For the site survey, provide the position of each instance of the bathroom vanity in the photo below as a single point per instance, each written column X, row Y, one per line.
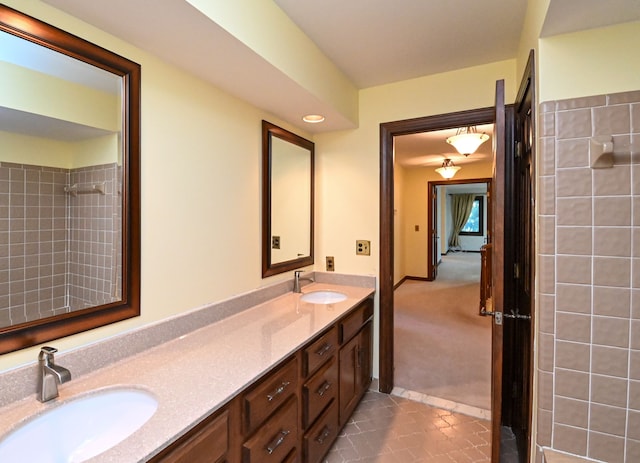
column 294, row 412
column 262, row 377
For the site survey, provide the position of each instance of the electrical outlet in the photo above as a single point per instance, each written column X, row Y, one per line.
column 363, row 247
column 275, row 242
column 330, row 264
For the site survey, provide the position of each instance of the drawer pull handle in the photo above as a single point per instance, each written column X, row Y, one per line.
column 277, row 442
column 278, row 391
column 326, row 432
column 323, row 388
column 326, row 347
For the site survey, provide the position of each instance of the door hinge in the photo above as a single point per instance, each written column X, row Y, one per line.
column 516, row 270
column 518, row 150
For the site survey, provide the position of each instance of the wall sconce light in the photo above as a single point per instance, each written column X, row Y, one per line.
column 467, row 140
column 448, row 169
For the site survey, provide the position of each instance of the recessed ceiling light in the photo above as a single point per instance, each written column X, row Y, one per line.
column 313, row 118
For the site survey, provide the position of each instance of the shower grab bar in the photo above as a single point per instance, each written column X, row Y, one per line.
column 74, row 189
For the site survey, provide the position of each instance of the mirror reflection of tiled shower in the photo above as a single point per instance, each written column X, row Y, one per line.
column 61, row 245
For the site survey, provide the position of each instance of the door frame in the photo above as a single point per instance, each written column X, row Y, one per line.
column 388, row 131
column 431, row 225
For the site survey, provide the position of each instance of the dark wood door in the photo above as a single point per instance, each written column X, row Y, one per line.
column 497, row 267
column 518, row 336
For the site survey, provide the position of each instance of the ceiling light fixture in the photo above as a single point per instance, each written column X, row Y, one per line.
column 467, row 140
column 313, row 118
column 448, row 169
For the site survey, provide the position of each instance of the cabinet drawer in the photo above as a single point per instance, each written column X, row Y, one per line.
column 276, row 438
column 318, row 352
column 318, row 440
column 270, row 393
column 352, row 323
column 318, row 391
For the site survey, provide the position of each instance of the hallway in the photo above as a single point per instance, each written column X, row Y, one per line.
column 442, row 345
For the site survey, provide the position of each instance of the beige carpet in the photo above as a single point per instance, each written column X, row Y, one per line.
column 442, row 346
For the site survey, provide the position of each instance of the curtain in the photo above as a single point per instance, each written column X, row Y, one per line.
column 461, row 206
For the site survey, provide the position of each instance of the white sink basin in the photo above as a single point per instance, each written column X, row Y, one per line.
column 79, row 429
column 323, row 297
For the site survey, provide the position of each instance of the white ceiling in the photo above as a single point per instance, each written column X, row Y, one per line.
column 379, row 41
column 373, row 42
column 376, row 42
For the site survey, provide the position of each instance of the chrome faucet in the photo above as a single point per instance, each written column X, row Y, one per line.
column 50, row 375
column 297, row 279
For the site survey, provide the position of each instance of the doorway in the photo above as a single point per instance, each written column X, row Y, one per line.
column 440, row 226
column 442, row 346
column 499, row 116
column 512, row 269
column 388, row 132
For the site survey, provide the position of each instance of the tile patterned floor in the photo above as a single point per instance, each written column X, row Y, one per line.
column 386, row 429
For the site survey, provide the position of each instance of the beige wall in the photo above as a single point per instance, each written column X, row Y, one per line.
column 349, row 161
column 34, row 92
column 200, row 189
column 201, row 178
column 36, row 151
column 592, row 62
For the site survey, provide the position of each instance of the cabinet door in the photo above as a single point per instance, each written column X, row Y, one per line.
column 348, row 379
column 207, row 443
column 355, row 371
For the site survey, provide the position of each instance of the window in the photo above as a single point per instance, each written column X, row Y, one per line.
column 475, row 223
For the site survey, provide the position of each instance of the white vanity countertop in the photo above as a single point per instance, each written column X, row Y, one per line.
column 195, row 374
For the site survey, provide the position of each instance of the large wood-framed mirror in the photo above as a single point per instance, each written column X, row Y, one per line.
column 287, row 200
column 69, row 184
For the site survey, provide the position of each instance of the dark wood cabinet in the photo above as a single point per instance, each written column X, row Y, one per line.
column 294, row 412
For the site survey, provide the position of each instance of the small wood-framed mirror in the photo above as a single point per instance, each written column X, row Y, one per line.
column 70, row 163
column 287, row 200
